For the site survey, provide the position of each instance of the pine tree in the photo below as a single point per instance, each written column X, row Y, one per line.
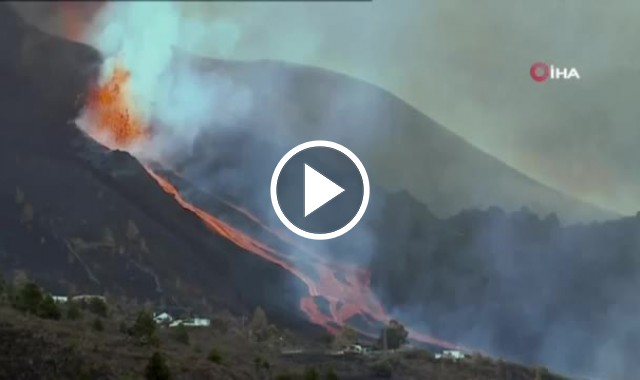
column 48, row 308
column 144, row 326
column 157, row 368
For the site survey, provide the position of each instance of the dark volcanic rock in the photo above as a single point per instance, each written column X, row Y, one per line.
column 515, row 285
column 79, row 218
column 24, row 355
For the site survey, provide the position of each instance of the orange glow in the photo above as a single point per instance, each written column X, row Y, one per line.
column 344, row 289
column 113, row 120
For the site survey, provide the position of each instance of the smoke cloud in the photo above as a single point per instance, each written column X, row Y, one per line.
column 474, row 78
column 167, row 91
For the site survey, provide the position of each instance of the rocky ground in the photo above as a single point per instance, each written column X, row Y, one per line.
column 84, row 342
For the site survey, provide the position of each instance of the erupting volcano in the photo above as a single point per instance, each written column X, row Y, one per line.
column 338, row 294
column 111, row 119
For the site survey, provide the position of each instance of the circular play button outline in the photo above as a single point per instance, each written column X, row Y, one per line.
column 365, row 196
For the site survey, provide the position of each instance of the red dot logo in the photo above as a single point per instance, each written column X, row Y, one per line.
column 539, row 71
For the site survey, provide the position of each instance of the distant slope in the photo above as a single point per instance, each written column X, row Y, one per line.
column 79, row 218
column 402, row 148
column 516, row 285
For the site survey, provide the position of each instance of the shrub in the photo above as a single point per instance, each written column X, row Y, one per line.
column 98, row 306
column 382, row 369
column 157, row 368
column 215, row 356
column 418, row 354
column 311, row 374
column 73, row 311
column 97, row 324
column 28, row 298
column 48, row 308
column 393, row 335
column 144, row 326
column 331, row 375
column 346, row 337
column 261, row 364
column 181, row 335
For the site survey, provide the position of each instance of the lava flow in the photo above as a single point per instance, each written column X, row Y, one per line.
column 343, row 289
column 112, row 120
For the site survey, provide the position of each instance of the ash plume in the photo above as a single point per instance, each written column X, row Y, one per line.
column 166, row 91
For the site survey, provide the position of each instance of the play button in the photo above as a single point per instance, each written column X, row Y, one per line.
column 320, row 190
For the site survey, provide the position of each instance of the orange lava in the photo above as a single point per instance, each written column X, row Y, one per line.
column 112, row 118
column 344, row 289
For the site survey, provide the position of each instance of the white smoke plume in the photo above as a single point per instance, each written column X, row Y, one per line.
column 167, row 92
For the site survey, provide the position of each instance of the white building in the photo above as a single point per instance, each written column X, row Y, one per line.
column 161, row 318
column 191, row 322
column 88, row 297
column 354, row 349
column 60, row 299
column 451, row 354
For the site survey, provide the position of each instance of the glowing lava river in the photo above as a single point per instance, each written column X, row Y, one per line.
column 343, row 289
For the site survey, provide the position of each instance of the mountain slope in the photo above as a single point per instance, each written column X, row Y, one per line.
column 79, row 218
column 401, row 147
column 515, row 285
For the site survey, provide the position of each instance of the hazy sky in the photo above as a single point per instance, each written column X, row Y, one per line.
column 465, row 63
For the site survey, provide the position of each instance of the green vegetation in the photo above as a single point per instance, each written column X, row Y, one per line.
column 215, row 356
column 73, row 311
column 311, row 374
column 234, row 341
column 382, row 368
column 97, row 324
column 144, row 325
column 181, row 335
column 262, row 367
column 48, row 308
column 98, row 306
column 157, row 368
column 393, row 335
column 418, row 354
column 30, row 299
column 331, row 375
column 346, row 337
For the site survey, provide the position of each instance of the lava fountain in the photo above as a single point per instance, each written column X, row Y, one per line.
column 344, row 288
column 116, row 116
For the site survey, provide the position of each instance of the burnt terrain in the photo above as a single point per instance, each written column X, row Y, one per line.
column 231, row 348
column 79, row 218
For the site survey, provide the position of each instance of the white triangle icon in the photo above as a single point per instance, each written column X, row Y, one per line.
column 318, row 190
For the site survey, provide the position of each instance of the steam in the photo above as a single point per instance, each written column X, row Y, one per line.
column 167, row 92
column 182, row 103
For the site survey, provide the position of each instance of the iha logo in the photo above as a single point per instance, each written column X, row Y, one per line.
column 540, row 72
